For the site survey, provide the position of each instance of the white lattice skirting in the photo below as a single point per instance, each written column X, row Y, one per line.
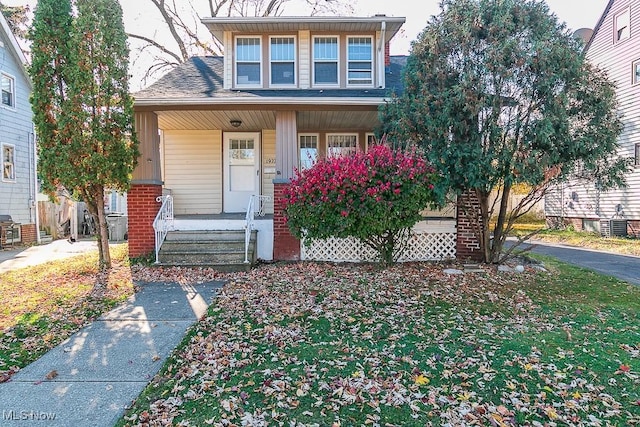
column 423, row 246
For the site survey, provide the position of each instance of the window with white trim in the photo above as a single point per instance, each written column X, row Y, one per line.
column 325, row 61
column 308, row 144
column 341, row 144
column 637, row 156
column 8, row 84
column 282, row 51
column 622, row 25
column 248, row 61
column 635, row 72
column 8, row 162
column 360, row 61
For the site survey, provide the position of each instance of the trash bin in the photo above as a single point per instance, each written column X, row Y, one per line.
column 117, row 227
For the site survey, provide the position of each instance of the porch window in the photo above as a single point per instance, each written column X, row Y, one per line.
column 622, row 25
column 248, row 60
column 360, row 61
column 342, row 145
column 325, row 60
column 8, row 162
column 283, row 61
column 308, row 150
column 241, row 151
column 8, row 90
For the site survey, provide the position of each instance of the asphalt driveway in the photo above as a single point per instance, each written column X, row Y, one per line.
column 624, row 267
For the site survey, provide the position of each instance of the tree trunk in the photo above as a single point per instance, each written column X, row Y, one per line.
column 95, row 203
column 498, row 234
column 484, row 232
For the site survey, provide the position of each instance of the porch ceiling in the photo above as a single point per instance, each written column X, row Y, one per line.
column 260, row 119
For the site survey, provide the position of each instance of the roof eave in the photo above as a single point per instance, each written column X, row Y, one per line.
column 165, row 102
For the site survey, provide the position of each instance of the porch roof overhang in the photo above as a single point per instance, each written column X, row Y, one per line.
column 255, row 103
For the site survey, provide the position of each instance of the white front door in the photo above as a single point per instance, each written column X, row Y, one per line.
column 241, row 169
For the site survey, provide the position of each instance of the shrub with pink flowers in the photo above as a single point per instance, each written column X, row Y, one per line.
column 375, row 197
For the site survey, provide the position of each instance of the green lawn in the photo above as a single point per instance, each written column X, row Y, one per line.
column 45, row 304
column 350, row 345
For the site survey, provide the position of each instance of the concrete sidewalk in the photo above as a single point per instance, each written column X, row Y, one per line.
column 92, row 377
column 20, row 257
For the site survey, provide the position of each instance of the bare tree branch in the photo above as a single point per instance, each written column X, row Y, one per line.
column 156, row 45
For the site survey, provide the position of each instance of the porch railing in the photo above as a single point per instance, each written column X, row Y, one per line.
column 255, row 208
column 163, row 223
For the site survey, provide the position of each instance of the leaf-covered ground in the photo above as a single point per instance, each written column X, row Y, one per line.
column 44, row 304
column 308, row 344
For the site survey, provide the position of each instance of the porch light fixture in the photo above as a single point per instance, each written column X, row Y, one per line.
column 235, row 122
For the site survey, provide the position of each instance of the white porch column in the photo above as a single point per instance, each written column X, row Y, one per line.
column 286, row 144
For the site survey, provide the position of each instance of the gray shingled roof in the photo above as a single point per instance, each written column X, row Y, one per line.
column 201, row 78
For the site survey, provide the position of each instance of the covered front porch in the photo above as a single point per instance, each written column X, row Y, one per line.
column 213, row 159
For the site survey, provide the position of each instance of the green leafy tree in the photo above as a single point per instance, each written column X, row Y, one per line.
column 375, row 197
column 498, row 93
column 82, row 108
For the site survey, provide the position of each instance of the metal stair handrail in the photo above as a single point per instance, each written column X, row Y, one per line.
column 252, row 212
column 163, row 223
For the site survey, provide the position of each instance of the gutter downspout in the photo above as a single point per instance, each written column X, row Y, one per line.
column 381, row 55
column 32, row 137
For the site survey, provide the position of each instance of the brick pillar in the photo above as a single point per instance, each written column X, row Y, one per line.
column 142, row 209
column 28, row 234
column 285, row 246
column 467, row 242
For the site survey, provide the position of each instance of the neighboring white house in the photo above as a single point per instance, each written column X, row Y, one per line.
column 18, row 184
column 614, row 46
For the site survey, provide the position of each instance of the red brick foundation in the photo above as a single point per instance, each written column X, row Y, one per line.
column 28, row 234
column 467, row 242
column 142, row 209
column 285, row 246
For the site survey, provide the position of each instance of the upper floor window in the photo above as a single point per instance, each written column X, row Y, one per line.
column 8, row 162
column 637, row 155
column 342, row 144
column 248, row 59
column 8, row 84
column 283, row 60
column 635, row 72
column 308, row 150
column 360, row 61
column 325, row 60
column 622, row 25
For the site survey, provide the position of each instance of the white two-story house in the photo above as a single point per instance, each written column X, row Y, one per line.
column 18, row 183
column 217, row 132
column 614, row 45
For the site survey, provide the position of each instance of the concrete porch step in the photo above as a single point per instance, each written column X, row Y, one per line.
column 220, row 249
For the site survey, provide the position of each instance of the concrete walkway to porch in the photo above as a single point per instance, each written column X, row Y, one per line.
column 92, row 377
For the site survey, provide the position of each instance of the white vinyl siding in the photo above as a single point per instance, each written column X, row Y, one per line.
column 282, row 61
column 326, row 66
column 304, row 52
column 268, row 163
column 193, row 170
column 360, row 61
column 248, row 59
